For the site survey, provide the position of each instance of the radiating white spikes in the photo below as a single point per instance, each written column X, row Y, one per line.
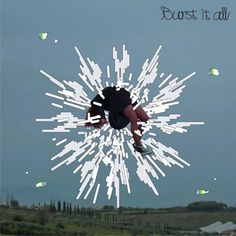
column 121, row 65
column 52, row 79
column 96, row 194
column 93, row 76
column 113, row 147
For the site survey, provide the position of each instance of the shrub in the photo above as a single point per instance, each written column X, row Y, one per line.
column 43, row 217
column 14, row 203
column 207, row 205
column 60, row 225
column 134, row 232
column 83, row 234
column 17, row 218
column 24, row 208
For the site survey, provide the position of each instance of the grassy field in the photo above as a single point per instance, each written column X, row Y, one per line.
column 107, row 222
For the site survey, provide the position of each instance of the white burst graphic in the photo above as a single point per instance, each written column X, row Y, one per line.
column 107, row 145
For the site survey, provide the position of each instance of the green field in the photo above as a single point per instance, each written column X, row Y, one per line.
column 108, row 222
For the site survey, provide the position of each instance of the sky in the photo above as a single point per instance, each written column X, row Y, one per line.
column 95, row 27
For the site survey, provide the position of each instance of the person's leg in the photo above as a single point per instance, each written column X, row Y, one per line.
column 142, row 115
column 132, row 116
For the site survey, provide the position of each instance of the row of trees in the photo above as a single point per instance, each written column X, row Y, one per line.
column 65, row 207
column 60, row 207
column 11, row 202
column 206, row 205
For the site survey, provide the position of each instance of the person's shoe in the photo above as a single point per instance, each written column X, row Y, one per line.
column 142, row 149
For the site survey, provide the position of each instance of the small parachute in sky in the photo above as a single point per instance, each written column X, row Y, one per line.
column 41, row 184
column 202, row 191
column 214, row 72
column 43, row 35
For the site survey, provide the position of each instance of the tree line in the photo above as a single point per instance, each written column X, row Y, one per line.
column 68, row 208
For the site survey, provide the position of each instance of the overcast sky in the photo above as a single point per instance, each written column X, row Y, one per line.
column 95, row 27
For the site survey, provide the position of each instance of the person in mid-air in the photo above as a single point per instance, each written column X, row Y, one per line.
column 121, row 113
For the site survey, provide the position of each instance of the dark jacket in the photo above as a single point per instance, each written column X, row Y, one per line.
column 115, row 102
